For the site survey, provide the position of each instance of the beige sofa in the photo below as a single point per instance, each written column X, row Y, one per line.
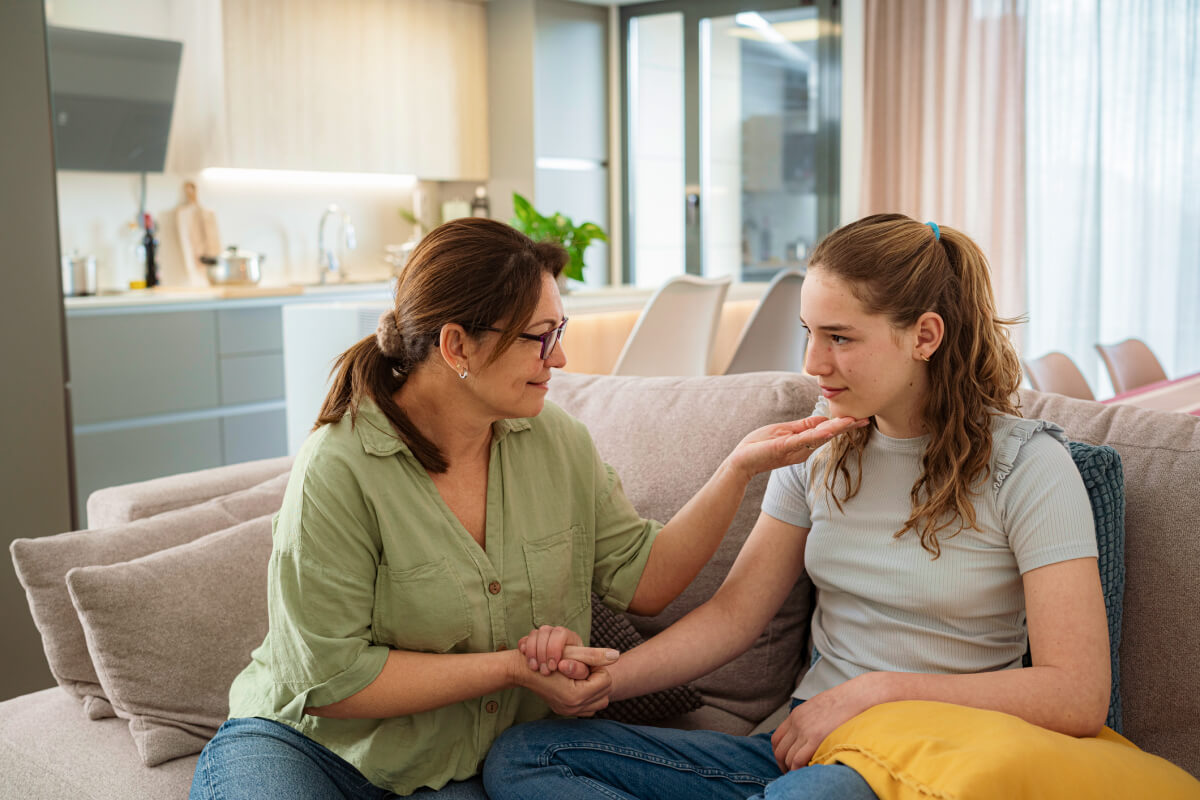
column 172, row 604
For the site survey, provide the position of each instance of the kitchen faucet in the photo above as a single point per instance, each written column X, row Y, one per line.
column 330, row 258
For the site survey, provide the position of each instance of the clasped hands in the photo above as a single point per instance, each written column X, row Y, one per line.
column 552, row 662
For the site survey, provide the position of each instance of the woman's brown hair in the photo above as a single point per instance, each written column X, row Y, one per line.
column 901, row 268
column 473, row 272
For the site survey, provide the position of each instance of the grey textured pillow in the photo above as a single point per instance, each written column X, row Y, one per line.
column 169, row 632
column 42, row 565
column 610, row 629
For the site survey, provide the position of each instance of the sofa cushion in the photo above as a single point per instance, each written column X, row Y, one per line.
column 169, row 632
column 665, row 437
column 1160, row 651
column 1100, row 468
column 42, row 565
column 611, row 629
column 917, row 749
column 117, row 505
column 49, row 749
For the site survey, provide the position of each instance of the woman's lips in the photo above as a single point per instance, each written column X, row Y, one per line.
column 830, row 393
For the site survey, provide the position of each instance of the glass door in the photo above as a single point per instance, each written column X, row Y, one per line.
column 731, row 145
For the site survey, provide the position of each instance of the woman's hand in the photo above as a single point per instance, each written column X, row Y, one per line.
column 798, row 737
column 786, row 443
column 571, row 697
column 552, row 648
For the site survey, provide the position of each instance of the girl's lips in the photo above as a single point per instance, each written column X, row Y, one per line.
column 830, row 393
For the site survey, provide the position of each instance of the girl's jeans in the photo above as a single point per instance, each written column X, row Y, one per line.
column 576, row 759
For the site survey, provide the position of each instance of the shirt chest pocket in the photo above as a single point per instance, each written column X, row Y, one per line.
column 560, row 576
column 422, row 608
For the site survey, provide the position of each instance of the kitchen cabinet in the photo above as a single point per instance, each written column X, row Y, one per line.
column 168, row 383
column 167, row 391
column 357, row 86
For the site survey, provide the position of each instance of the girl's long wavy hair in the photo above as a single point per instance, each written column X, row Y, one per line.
column 897, row 267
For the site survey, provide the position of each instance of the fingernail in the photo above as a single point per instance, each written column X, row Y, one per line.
column 552, row 664
column 612, row 655
column 533, row 663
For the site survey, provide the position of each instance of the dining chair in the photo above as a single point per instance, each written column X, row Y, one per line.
column 1056, row 373
column 1130, row 364
column 774, row 338
column 674, row 333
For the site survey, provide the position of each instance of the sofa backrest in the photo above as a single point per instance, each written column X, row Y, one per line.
column 1160, row 639
column 665, row 437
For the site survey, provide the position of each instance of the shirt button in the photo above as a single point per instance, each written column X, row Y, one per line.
column 494, row 587
column 492, row 707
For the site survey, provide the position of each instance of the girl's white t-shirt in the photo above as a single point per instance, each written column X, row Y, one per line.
column 884, row 603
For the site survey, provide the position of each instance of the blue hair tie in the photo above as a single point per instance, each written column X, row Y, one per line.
column 937, row 233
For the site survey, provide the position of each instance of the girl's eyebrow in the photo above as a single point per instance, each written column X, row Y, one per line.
column 834, row 328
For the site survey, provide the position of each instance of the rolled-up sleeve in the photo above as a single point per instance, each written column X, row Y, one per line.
column 623, row 539
column 321, row 592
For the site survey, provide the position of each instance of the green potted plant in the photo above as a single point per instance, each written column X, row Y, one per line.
column 558, row 228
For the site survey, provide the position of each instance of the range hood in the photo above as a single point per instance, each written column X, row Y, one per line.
column 112, row 99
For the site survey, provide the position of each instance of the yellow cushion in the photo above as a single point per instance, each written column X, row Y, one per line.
column 920, row 749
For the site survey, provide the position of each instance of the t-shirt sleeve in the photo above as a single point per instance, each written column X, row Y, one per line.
column 623, row 538
column 321, row 589
column 1045, row 507
column 786, row 498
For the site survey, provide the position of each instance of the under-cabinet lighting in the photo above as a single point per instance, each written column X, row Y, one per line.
column 291, row 177
column 575, row 164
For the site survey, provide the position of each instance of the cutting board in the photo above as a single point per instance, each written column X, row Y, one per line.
column 198, row 235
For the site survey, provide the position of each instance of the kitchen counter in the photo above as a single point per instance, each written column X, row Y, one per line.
column 584, row 301
column 208, row 298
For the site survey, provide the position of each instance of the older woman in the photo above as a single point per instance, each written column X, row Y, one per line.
column 438, row 510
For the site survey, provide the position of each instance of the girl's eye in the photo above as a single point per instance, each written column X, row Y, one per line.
column 838, row 339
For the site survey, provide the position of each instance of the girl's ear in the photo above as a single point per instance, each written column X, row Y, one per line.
column 930, row 329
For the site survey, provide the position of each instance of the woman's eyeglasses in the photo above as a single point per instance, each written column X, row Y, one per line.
column 548, row 339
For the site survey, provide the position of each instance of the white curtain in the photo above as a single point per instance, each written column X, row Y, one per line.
column 943, row 124
column 1112, row 114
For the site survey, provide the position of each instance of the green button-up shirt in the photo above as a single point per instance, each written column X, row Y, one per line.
column 368, row 557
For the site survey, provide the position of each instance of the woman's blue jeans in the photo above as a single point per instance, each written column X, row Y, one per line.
column 267, row 760
column 576, row 759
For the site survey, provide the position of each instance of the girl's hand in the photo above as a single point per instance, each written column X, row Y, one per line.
column 552, row 648
column 786, row 443
column 569, row 696
column 798, row 737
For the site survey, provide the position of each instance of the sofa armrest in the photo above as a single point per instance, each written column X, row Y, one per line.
column 131, row 501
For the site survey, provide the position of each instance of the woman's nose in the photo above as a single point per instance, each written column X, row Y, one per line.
column 558, row 356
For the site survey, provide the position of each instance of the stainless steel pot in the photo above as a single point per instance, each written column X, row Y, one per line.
column 234, row 267
column 79, row 275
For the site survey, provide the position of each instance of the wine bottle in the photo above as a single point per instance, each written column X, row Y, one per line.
column 149, row 245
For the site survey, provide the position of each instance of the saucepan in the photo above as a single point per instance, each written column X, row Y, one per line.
column 234, row 267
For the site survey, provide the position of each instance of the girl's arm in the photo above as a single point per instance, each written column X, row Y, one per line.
column 715, row 632
column 688, row 541
column 1066, row 690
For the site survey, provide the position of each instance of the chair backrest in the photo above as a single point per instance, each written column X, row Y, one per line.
column 1056, row 373
column 1130, row 364
column 674, row 334
column 774, row 338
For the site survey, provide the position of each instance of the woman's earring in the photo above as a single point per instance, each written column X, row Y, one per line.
column 924, row 356
column 462, row 371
